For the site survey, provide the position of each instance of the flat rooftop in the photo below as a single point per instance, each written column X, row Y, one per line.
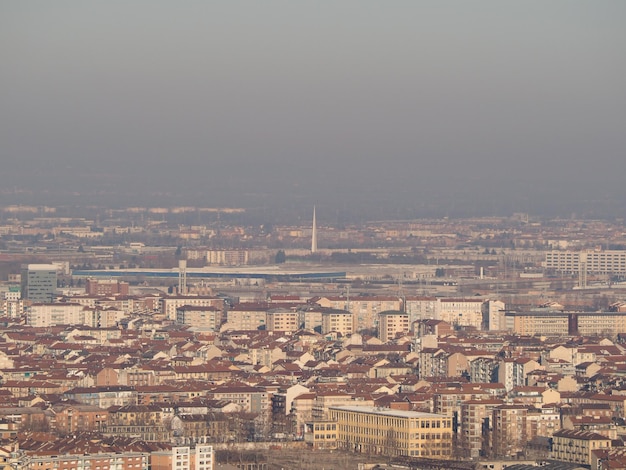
column 387, row 412
column 215, row 272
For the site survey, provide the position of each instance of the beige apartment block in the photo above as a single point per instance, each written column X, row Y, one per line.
column 201, row 318
column 282, row 319
column 600, row 323
column 549, row 323
column 227, row 257
column 393, row 432
column 184, row 458
column 169, row 305
column 462, row 312
column 338, row 321
column 592, row 261
column 391, row 324
column 365, row 308
column 119, row 461
column 476, row 426
column 246, row 316
column 321, row 434
column 577, row 446
column 421, row 308
column 540, row 323
column 49, row 314
column 509, row 430
column 324, row 401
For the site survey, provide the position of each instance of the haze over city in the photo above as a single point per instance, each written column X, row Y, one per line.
column 381, row 109
column 283, row 235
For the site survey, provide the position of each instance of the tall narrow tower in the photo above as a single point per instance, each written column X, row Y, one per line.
column 314, row 234
column 182, row 277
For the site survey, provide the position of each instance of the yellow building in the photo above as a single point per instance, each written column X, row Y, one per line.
column 184, row 458
column 246, row 316
column 577, row 446
column 321, row 434
column 203, row 318
column 564, row 323
column 340, row 321
column 600, row 323
column 391, row 323
column 541, row 323
column 364, row 308
column 282, row 319
column 393, row 432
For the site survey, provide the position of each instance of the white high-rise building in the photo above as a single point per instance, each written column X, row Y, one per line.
column 594, row 261
column 44, row 315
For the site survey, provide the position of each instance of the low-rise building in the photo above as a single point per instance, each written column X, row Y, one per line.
column 393, row 432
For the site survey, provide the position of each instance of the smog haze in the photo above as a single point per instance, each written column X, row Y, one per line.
column 393, row 109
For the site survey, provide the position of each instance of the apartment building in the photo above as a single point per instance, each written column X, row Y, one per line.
column 113, row 460
column 250, row 399
column 577, row 446
column 324, row 401
column 364, row 308
column 76, row 418
column 548, row 323
column 509, row 430
column 543, row 323
column 512, row 372
column 170, row 304
column 104, row 396
column 311, row 318
column 475, row 420
column 393, row 432
column 202, row 318
column 590, row 261
column 102, row 317
column 421, row 307
column 321, row 434
column 462, row 312
column 282, row 319
column 227, row 257
column 202, row 457
column 338, row 321
column 391, row 324
column 145, row 421
column 246, row 316
column 103, row 287
column 12, row 308
column 599, row 323
column 544, row 422
column 48, row 314
column 494, row 318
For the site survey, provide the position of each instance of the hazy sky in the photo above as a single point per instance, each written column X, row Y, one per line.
column 509, row 104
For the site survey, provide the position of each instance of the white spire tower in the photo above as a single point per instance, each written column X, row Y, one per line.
column 314, row 234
